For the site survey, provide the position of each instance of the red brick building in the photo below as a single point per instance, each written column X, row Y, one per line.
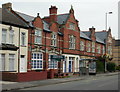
column 56, row 43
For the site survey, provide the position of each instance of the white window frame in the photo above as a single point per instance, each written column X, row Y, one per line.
column 71, row 59
column 93, row 47
column 4, row 39
column 103, row 49
column 110, row 49
column 11, row 62
column 37, row 61
column 88, row 47
column 23, row 42
column 98, row 49
column 72, row 26
column 53, row 39
column 2, row 62
column 52, row 64
column 38, row 36
column 82, row 45
column 72, row 40
column 11, row 36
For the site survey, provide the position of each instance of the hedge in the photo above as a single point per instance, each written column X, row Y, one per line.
column 99, row 66
column 111, row 66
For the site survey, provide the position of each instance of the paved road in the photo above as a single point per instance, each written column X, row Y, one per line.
column 94, row 83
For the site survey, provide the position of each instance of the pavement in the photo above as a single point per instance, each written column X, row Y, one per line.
column 7, row 85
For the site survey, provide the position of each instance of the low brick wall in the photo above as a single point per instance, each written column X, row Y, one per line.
column 22, row 77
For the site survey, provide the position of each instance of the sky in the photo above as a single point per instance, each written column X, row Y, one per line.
column 88, row 12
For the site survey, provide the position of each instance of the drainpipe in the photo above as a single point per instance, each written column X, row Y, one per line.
column 45, row 54
column 19, row 53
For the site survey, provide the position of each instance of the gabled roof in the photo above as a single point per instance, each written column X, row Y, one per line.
column 11, row 19
column 62, row 18
column 29, row 19
column 87, row 33
column 26, row 17
column 97, row 35
column 99, row 40
column 82, row 35
column 102, row 35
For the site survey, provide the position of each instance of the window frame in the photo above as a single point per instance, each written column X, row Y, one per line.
column 35, row 61
column 72, row 26
column 98, row 49
column 82, row 46
column 2, row 61
column 88, row 47
column 54, row 39
column 93, row 47
column 52, row 64
column 12, row 42
column 12, row 59
column 38, row 35
column 23, row 43
column 4, row 40
column 72, row 40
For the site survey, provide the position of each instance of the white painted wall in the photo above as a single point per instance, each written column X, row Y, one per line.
column 23, row 50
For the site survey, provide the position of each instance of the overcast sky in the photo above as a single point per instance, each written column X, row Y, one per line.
column 88, row 12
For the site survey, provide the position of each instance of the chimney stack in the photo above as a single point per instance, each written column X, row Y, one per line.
column 92, row 30
column 7, row 6
column 53, row 13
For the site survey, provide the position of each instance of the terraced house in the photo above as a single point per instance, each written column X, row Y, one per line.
column 55, row 45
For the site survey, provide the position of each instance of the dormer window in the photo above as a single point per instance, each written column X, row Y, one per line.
column 72, row 26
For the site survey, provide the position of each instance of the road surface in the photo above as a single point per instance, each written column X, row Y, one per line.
column 94, row 83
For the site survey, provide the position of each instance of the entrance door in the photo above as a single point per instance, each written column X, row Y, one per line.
column 64, row 67
column 22, row 64
column 70, row 66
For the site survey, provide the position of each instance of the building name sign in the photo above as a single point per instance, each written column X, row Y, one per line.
column 57, row 57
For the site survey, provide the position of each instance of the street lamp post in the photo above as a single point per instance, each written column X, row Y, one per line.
column 106, row 14
column 106, row 19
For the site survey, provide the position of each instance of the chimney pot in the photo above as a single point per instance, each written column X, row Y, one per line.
column 37, row 14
